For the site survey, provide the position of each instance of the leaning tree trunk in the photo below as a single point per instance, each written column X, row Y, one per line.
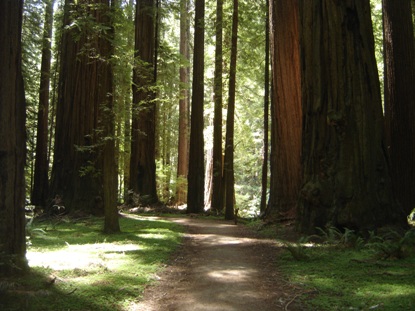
column 143, row 134
column 196, row 178
column 400, row 98
column 287, row 116
column 12, row 138
column 40, row 189
column 346, row 178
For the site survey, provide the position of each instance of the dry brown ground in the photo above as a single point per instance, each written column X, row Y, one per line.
column 221, row 267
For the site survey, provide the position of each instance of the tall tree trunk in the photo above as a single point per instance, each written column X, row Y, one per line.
column 183, row 156
column 40, row 189
column 106, row 91
column 400, row 98
column 230, row 122
column 127, row 111
column 217, row 173
column 264, row 177
column 84, row 90
column 143, row 134
column 287, row 116
column 12, row 137
column 196, row 177
column 346, row 178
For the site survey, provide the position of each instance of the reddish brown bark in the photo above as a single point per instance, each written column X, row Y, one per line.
column 196, row 176
column 143, row 134
column 286, row 123
column 399, row 54
column 12, row 138
column 346, row 178
column 183, row 148
column 217, row 170
column 40, row 189
column 85, row 91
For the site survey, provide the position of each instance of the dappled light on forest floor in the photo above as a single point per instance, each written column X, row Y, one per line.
column 75, row 266
column 233, row 275
column 80, row 256
column 221, row 267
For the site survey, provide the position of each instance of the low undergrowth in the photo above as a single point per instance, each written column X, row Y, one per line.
column 74, row 266
column 339, row 270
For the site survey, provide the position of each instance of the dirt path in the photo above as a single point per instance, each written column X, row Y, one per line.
column 220, row 267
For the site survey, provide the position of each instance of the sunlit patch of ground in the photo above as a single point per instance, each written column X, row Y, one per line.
column 79, row 256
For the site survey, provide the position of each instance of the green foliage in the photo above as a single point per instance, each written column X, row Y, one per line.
column 32, row 30
column 390, row 245
column 393, row 245
column 298, row 250
column 334, row 236
column 32, row 231
column 349, row 277
column 377, row 24
column 343, row 279
column 74, row 266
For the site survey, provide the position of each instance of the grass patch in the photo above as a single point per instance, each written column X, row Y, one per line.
column 74, row 266
column 345, row 280
column 340, row 270
column 337, row 275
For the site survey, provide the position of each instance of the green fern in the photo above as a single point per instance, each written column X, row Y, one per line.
column 298, row 250
column 393, row 244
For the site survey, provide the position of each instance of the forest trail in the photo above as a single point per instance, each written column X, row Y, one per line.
column 220, row 267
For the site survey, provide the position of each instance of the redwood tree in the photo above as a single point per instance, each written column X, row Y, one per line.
column 399, row 54
column 286, row 125
column 217, row 175
column 85, row 98
column 183, row 145
column 106, row 89
column 346, row 178
column 264, row 177
column 40, row 189
column 230, row 122
column 143, row 134
column 196, row 177
column 12, row 138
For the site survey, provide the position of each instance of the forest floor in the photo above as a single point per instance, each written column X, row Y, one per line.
column 221, row 266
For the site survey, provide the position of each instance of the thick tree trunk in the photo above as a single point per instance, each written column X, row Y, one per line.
column 230, row 122
column 143, row 134
column 287, row 116
column 40, row 189
column 83, row 93
column 217, row 172
column 183, row 154
column 196, row 177
column 400, row 98
column 346, row 178
column 12, row 138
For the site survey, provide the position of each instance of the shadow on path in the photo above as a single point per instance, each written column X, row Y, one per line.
column 220, row 267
